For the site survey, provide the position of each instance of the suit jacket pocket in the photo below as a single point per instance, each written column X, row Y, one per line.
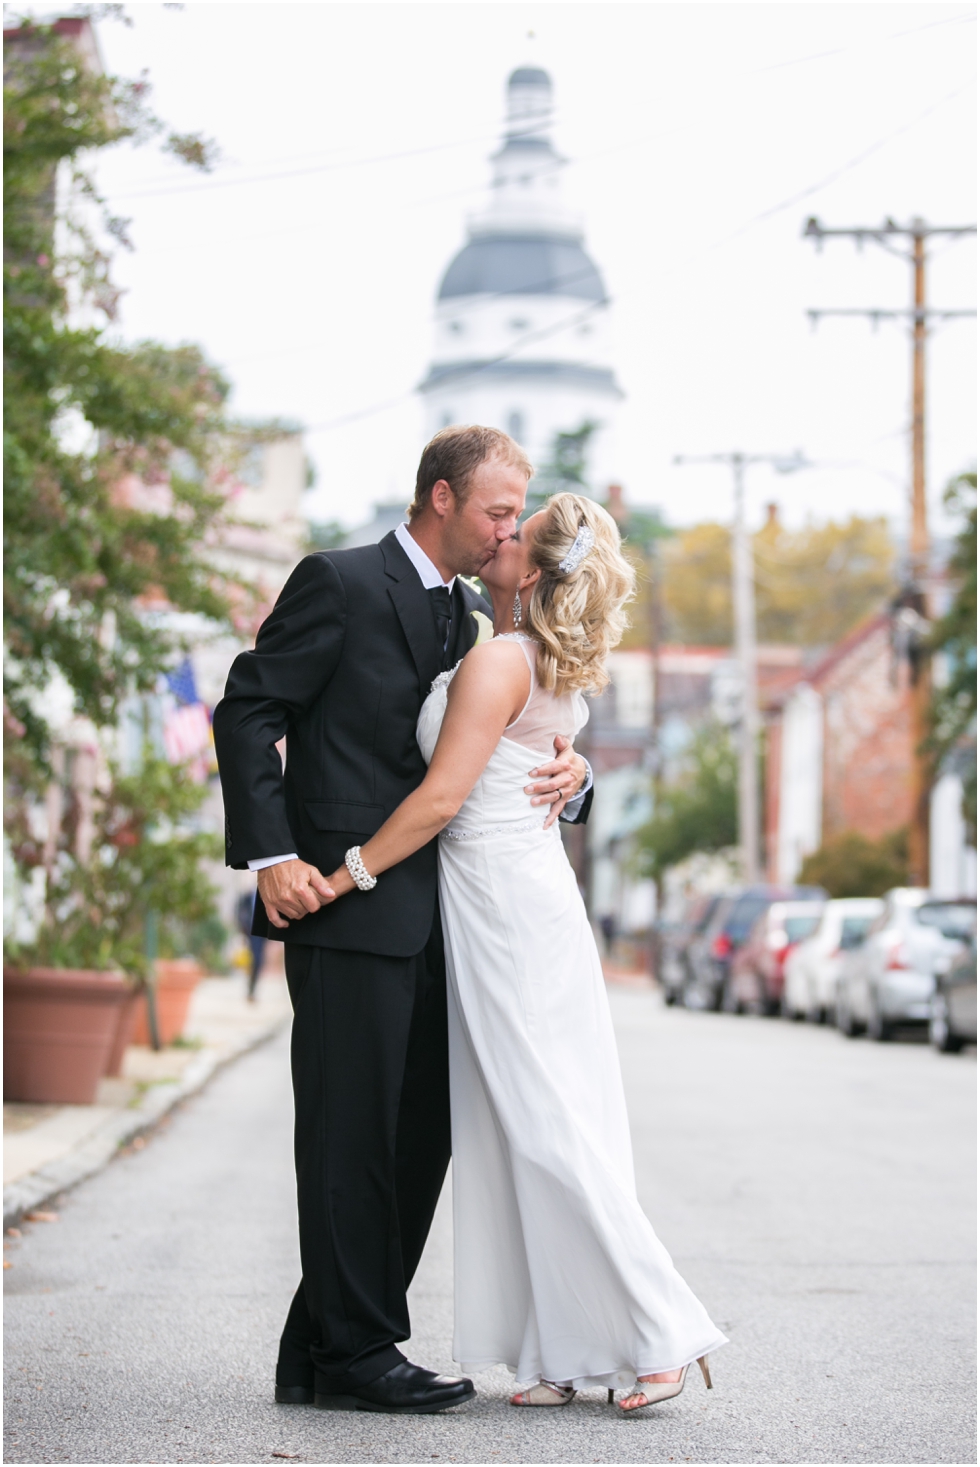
column 347, row 815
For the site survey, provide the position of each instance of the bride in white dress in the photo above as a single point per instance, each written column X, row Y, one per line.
column 558, row 1272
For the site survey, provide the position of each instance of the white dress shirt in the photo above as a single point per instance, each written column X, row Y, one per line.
column 428, row 574
column 430, row 577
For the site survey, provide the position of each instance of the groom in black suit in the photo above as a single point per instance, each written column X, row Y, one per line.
column 341, row 667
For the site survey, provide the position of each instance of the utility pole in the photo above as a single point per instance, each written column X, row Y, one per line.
column 743, row 606
column 914, row 596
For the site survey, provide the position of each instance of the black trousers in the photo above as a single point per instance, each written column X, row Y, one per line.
column 370, row 1067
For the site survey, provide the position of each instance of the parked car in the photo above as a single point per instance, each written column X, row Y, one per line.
column 890, row 979
column 953, row 1015
column 755, row 983
column 711, row 952
column 813, row 967
column 673, row 942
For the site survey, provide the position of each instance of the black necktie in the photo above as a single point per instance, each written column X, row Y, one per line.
column 442, row 611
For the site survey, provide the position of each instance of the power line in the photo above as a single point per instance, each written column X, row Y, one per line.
column 555, row 120
column 464, row 373
column 967, row 15
column 854, row 162
column 280, row 177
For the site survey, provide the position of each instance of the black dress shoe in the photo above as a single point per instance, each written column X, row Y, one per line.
column 294, row 1395
column 405, row 1390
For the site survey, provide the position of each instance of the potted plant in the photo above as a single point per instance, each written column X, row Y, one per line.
column 73, row 993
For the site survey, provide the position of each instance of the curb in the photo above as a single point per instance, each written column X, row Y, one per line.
column 42, row 1186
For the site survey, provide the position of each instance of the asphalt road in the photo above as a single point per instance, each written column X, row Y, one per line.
column 817, row 1194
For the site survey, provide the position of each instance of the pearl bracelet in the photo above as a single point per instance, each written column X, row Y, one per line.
column 362, row 878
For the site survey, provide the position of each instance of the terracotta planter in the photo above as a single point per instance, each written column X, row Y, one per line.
column 59, row 1025
column 176, row 979
column 123, row 1037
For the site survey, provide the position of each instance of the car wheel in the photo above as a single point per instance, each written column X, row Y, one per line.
column 845, row 1022
column 817, row 1014
column 940, row 1035
column 878, row 1027
column 670, row 997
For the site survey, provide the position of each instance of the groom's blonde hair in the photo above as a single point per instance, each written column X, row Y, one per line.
column 577, row 616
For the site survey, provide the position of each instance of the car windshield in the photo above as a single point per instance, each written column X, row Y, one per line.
column 854, row 930
column 743, row 914
column 799, row 927
column 953, row 919
column 706, row 916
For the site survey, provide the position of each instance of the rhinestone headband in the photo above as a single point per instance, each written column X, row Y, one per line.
column 582, row 544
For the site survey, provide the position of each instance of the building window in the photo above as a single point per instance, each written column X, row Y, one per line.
column 515, row 426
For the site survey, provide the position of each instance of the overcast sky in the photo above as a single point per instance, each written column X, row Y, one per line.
column 355, row 142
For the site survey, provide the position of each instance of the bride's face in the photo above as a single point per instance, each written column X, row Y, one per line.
column 511, row 564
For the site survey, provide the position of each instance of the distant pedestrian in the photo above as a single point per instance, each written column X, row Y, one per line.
column 256, row 945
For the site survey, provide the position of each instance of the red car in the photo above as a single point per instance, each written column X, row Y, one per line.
column 759, row 968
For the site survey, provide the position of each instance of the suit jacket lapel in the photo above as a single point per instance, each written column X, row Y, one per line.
column 411, row 602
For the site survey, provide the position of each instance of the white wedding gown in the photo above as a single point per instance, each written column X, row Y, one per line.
column 558, row 1273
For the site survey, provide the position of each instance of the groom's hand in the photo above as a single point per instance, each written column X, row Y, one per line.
column 559, row 781
column 292, row 889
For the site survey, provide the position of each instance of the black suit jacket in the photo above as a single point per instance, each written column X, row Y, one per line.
column 341, row 667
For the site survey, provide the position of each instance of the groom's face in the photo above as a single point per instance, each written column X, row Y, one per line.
column 487, row 517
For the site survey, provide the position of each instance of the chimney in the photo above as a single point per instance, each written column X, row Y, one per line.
column 614, row 503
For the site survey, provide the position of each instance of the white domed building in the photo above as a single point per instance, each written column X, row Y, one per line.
column 522, row 320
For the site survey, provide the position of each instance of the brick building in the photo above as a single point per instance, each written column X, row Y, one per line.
column 839, row 749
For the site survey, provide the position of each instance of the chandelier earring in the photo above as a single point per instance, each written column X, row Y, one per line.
column 518, row 612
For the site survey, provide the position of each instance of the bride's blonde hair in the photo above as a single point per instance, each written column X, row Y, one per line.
column 577, row 614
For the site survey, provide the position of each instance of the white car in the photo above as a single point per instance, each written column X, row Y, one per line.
column 891, row 978
column 812, row 969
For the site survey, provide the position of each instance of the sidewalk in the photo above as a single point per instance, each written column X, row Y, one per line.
column 48, row 1148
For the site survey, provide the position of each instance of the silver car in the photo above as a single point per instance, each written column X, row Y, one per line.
column 813, row 968
column 890, row 979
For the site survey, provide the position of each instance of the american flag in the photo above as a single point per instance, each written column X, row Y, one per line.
column 182, row 684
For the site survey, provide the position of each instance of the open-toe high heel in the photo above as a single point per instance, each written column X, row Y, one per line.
column 655, row 1391
column 544, row 1394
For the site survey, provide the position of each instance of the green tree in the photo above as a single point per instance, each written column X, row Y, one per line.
column 954, row 702
column 566, row 468
column 113, row 461
column 109, row 451
column 146, row 857
column 812, row 585
column 851, row 865
column 696, row 811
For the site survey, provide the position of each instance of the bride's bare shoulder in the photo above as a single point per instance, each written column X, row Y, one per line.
column 493, row 662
